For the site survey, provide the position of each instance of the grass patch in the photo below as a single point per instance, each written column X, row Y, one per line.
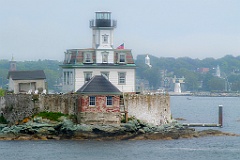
column 54, row 116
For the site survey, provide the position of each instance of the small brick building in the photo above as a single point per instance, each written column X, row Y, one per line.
column 99, row 102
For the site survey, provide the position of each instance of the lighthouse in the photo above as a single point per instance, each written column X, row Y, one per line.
column 115, row 64
column 102, row 30
column 147, row 61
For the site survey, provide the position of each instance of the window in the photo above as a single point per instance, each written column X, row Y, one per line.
column 122, row 58
column 104, row 57
column 68, row 77
column 121, row 78
column 88, row 57
column 105, row 38
column 109, row 100
column 105, row 74
column 92, row 101
column 25, row 87
column 87, row 76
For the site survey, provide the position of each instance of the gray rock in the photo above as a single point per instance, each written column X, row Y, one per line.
column 38, row 119
column 84, row 128
column 146, row 129
column 129, row 127
column 2, row 126
column 141, row 131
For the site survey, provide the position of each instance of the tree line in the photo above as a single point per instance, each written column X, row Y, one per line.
column 190, row 69
column 162, row 68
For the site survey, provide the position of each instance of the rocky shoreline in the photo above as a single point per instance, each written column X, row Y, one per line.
column 43, row 129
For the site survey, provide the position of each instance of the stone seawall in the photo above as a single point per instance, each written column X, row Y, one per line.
column 153, row 109
column 16, row 107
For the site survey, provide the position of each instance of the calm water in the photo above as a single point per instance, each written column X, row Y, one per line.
column 198, row 109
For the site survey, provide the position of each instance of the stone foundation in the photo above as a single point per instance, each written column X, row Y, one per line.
column 99, row 118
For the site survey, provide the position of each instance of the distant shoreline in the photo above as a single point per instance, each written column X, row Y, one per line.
column 205, row 94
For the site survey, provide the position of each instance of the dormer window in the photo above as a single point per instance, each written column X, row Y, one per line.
column 88, row 57
column 122, row 58
column 67, row 57
column 105, row 38
column 104, row 57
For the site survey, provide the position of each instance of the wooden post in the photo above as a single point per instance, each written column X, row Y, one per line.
column 220, row 115
column 126, row 116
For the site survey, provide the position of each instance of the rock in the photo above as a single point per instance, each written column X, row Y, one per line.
column 66, row 129
column 141, row 131
column 84, row 128
column 2, row 126
column 38, row 119
column 147, row 130
column 53, row 137
column 129, row 127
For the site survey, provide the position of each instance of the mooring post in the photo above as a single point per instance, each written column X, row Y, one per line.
column 126, row 116
column 220, row 115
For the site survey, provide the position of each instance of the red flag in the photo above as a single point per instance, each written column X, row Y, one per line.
column 121, row 46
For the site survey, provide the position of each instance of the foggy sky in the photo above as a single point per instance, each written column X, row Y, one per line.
column 44, row 29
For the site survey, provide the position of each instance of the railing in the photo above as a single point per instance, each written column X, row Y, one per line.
column 92, row 23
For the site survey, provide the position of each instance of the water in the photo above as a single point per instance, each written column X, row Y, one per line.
column 198, row 109
column 205, row 110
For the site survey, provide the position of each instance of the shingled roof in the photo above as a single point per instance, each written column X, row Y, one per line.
column 27, row 75
column 99, row 85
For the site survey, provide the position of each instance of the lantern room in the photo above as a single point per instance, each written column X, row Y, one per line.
column 103, row 19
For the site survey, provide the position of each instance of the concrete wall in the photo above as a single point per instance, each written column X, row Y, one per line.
column 153, row 109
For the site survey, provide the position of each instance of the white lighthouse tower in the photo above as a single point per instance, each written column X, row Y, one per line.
column 147, row 61
column 102, row 30
column 177, row 84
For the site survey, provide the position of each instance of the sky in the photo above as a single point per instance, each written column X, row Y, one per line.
column 45, row 29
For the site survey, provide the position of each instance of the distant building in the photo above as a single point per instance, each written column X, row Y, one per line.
column 236, row 71
column 117, row 65
column 218, row 72
column 203, row 70
column 26, row 81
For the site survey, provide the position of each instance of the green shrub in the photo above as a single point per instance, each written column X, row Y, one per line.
column 2, row 92
column 3, row 120
column 123, row 120
column 54, row 116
